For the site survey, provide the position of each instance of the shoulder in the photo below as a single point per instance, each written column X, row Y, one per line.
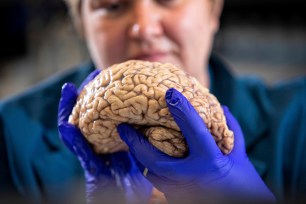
column 283, row 103
column 29, row 138
column 285, row 132
column 288, row 87
column 48, row 88
column 273, row 118
column 42, row 98
column 281, row 96
column 253, row 92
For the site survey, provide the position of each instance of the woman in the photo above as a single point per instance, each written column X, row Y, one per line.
column 180, row 32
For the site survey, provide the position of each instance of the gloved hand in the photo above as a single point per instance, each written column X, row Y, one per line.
column 206, row 172
column 112, row 178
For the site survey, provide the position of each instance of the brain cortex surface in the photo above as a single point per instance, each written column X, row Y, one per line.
column 134, row 92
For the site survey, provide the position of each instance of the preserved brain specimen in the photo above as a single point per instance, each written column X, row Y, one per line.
column 134, row 92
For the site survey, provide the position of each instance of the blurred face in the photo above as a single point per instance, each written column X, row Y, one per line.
column 176, row 31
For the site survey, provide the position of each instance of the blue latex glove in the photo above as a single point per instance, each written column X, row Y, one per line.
column 112, row 178
column 206, row 173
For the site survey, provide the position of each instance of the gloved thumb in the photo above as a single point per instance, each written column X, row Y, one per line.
column 67, row 101
column 197, row 135
column 67, row 134
column 140, row 147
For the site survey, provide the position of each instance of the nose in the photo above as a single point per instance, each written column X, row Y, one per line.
column 145, row 21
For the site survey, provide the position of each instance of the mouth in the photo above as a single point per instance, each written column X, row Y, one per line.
column 154, row 56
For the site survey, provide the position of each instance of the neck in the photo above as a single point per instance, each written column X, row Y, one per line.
column 203, row 78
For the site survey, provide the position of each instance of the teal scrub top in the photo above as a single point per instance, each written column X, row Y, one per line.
column 35, row 164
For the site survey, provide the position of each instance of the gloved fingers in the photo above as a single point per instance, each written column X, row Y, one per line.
column 137, row 179
column 239, row 147
column 134, row 162
column 69, row 97
column 174, row 170
column 67, row 134
column 90, row 77
column 158, row 179
column 90, row 161
column 148, row 173
column 127, row 175
column 75, row 141
column 162, row 183
column 136, row 167
column 141, row 168
column 160, row 163
column 198, row 137
column 67, row 101
column 135, row 182
column 120, row 161
column 140, row 147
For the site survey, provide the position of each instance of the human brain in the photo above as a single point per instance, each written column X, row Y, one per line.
column 134, row 92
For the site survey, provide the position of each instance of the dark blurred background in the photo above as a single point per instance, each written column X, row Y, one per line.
column 266, row 38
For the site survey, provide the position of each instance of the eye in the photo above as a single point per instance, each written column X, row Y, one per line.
column 109, row 6
column 167, row 2
column 113, row 7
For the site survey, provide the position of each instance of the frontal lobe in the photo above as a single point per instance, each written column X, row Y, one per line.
column 134, row 92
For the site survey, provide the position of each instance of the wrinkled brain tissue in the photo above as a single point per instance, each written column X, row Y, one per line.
column 134, row 92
